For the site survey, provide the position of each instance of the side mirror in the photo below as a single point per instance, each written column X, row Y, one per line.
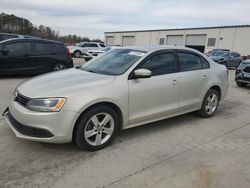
column 5, row 51
column 142, row 73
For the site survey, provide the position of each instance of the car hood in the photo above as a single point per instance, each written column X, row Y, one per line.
column 63, row 83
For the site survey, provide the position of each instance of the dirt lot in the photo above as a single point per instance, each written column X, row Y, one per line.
column 185, row 151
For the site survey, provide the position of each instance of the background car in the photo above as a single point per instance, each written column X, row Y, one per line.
column 81, row 49
column 229, row 59
column 123, row 88
column 216, row 50
column 242, row 74
column 33, row 56
column 5, row 36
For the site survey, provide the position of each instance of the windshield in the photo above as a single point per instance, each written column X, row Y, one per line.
column 223, row 54
column 115, row 62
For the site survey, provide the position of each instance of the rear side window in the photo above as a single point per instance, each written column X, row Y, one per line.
column 19, row 48
column 189, row 62
column 161, row 64
column 205, row 63
column 43, row 48
column 57, row 48
column 102, row 45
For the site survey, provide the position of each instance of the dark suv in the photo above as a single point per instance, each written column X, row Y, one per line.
column 33, row 56
column 242, row 75
column 5, row 36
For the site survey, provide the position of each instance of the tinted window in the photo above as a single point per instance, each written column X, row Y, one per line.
column 90, row 45
column 161, row 64
column 189, row 62
column 205, row 64
column 57, row 48
column 43, row 48
column 102, row 45
column 235, row 54
column 19, row 48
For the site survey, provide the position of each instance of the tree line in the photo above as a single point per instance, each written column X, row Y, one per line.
column 14, row 24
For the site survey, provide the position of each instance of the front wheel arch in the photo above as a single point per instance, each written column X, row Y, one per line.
column 110, row 104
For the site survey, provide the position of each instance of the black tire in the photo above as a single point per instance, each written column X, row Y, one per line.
column 59, row 66
column 203, row 111
column 241, row 84
column 77, row 54
column 83, row 123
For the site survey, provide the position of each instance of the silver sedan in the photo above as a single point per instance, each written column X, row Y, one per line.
column 123, row 88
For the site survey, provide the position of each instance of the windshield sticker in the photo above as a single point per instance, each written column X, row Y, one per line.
column 140, row 54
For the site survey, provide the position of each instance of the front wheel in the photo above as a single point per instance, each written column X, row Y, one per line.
column 96, row 128
column 210, row 104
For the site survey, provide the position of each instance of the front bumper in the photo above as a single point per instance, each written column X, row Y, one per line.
column 243, row 77
column 56, row 127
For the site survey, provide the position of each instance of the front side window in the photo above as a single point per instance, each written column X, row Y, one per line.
column 115, row 62
column 189, row 62
column 161, row 64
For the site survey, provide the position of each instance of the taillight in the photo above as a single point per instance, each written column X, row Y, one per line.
column 68, row 53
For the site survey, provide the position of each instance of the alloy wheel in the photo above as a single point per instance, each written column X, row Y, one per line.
column 211, row 104
column 99, row 129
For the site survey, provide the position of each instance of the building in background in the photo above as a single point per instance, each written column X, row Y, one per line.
column 235, row 38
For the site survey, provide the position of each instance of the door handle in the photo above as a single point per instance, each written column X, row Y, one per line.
column 174, row 82
column 205, row 76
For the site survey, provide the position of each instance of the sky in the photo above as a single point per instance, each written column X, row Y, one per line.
column 91, row 18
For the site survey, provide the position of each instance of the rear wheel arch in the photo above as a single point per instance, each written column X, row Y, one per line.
column 216, row 88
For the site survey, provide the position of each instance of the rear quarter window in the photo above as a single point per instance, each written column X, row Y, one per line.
column 43, row 48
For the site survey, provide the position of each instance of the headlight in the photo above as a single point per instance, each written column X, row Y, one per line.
column 46, row 105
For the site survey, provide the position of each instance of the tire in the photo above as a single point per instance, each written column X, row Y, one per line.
column 241, row 84
column 59, row 66
column 77, row 54
column 210, row 104
column 91, row 133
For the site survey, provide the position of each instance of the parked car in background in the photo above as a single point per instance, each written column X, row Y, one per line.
column 81, row 49
column 96, row 53
column 5, row 36
column 123, row 88
column 216, row 50
column 242, row 74
column 229, row 59
column 33, row 56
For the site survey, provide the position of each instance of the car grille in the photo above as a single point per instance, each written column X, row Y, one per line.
column 22, row 100
column 27, row 130
column 245, row 79
column 247, row 70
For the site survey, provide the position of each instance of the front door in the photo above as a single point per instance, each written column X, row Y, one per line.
column 16, row 58
column 155, row 97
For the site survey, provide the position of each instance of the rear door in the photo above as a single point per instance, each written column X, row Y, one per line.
column 193, row 77
column 234, row 59
column 44, row 57
column 17, row 58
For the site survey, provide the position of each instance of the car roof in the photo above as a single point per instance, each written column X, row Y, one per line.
column 29, row 40
column 157, row 48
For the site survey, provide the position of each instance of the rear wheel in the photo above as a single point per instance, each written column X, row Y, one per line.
column 210, row 104
column 96, row 128
column 241, row 84
column 59, row 66
column 77, row 54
